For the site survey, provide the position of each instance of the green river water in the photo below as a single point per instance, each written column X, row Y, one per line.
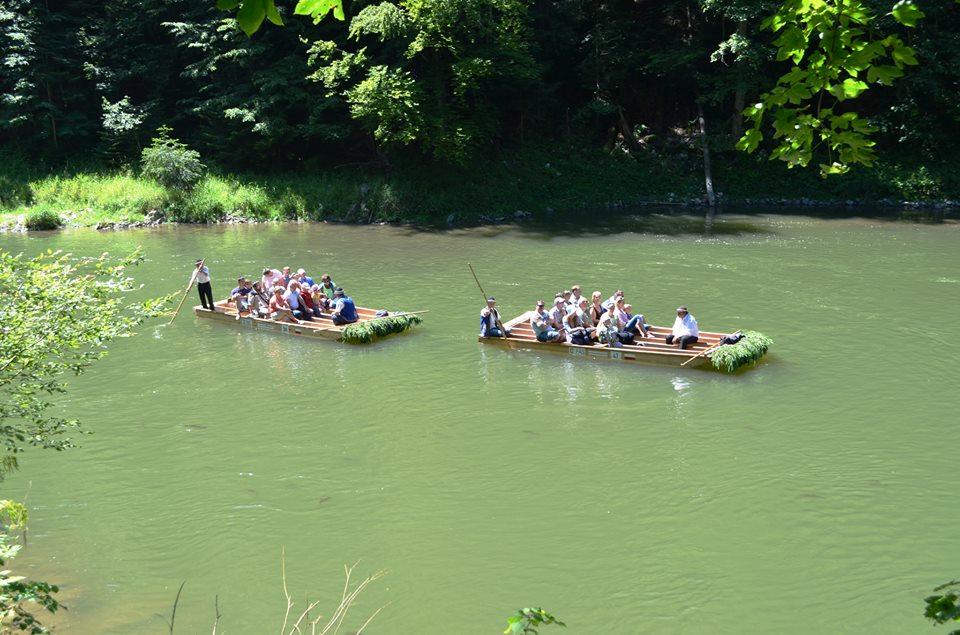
column 815, row 493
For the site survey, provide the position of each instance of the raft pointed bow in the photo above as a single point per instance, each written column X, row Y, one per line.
column 368, row 329
column 653, row 350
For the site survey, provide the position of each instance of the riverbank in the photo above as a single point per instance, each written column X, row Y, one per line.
column 531, row 184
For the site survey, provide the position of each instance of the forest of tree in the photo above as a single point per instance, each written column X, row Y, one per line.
column 431, row 81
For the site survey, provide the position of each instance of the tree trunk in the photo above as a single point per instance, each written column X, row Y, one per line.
column 707, row 170
column 740, row 97
column 53, row 121
column 627, row 132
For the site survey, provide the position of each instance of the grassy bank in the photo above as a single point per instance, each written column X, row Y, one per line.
column 535, row 181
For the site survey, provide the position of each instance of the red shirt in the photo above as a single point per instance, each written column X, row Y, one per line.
column 307, row 299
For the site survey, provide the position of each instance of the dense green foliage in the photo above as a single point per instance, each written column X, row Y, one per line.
column 944, row 605
column 18, row 596
column 40, row 218
column 57, row 317
column 42, row 342
column 368, row 331
column 838, row 52
column 171, row 163
column 527, row 621
column 751, row 347
column 421, row 82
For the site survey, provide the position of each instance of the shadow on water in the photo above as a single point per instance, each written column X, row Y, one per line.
column 677, row 221
column 664, row 221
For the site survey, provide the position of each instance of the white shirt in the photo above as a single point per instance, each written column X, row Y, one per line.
column 491, row 317
column 687, row 325
column 269, row 281
column 556, row 316
column 539, row 322
column 204, row 275
column 609, row 302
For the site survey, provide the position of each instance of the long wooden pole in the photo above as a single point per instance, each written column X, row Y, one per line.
column 193, row 279
column 503, row 329
column 706, row 350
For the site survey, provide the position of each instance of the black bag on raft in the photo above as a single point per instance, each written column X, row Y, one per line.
column 580, row 338
column 731, row 339
column 626, row 338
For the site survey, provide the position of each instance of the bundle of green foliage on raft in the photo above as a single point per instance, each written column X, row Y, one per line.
column 366, row 332
column 751, row 347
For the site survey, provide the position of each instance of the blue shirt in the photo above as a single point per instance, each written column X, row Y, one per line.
column 293, row 299
column 240, row 291
column 307, row 280
column 346, row 308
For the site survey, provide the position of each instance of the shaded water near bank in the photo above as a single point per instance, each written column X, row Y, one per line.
column 811, row 494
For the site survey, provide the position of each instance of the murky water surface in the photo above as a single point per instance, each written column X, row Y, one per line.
column 815, row 493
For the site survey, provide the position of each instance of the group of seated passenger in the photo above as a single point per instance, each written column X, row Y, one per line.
column 575, row 319
column 292, row 297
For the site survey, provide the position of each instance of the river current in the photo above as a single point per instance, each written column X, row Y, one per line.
column 814, row 493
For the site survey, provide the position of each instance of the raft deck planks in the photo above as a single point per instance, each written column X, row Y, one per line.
column 654, row 350
column 319, row 328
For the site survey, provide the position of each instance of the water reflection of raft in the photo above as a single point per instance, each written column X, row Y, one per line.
column 368, row 328
column 651, row 350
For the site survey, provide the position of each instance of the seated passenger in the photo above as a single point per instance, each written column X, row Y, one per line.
column 685, row 330
column 310, row 305
column 596, row 307
column 320, row 303
column 287, row 276
column 239, row 296
column 612, row 300
column 633, row 324
column 295, row 302
column 258, row 300
column 344, row 310
column 588, row 321
column 575, row 296
column 327, row 287
column 490, row 324
column 558, row 313
column 305, row 281
column 540, row 323
column 609, row 329
column 270, row 279
column 576, row 325
column 278, row 307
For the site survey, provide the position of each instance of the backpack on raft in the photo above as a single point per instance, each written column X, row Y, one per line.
column 580, row 338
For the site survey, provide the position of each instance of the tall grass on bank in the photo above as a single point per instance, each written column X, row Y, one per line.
column 89, row 198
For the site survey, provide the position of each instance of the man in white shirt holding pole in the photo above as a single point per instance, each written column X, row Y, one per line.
column 685, row 329
column 203, row 285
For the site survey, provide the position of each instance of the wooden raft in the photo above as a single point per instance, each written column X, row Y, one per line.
column 322, row 327
column 650, row 350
